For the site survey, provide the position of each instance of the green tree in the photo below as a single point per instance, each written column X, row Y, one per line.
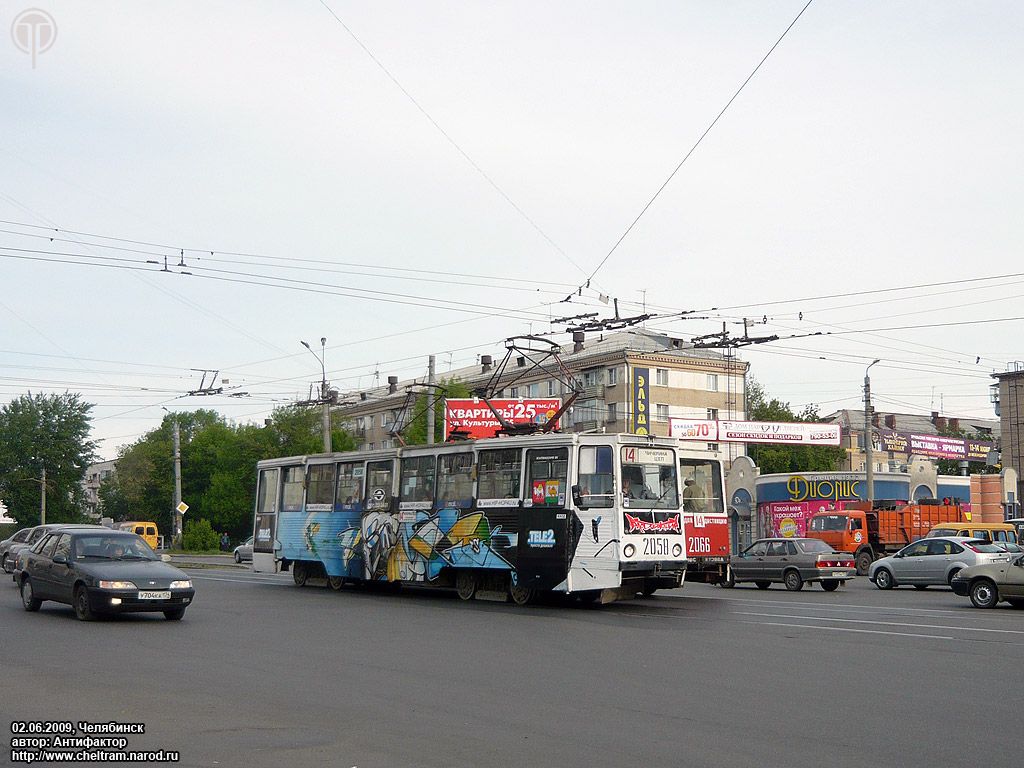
column 952, row 466
column 51, row 432
column 416, row 431
column 787, row 458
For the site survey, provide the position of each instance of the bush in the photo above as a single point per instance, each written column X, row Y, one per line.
column 199, row 537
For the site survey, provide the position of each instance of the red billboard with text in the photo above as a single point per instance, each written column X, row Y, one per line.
column 471, row 416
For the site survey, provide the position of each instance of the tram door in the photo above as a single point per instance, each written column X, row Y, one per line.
column 542, row 553
column 265, row 528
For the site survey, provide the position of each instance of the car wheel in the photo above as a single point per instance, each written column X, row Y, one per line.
column 984, row 594
column 864, row 560
column 465, row 585
column 336, row 582
column 952, row 575
column 238, row 558
column 299, row 574
column 883, row 578
column 830, row 585
column 7, row 565
column 763, row 584
column 520, row 595
column 729, row 581
column 793, row 580
column 175, row 615
column 83, row 611
column 28, row 597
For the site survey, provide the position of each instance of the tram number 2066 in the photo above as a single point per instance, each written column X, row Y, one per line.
column 698, row 544
column 655, row 545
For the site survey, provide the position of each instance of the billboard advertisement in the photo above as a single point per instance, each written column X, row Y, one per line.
column 935, row 446
column 640, row 383
column 784, row 432
column 472, row 416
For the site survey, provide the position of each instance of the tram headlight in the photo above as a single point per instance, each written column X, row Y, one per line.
column 629, row 550
column 677, row 550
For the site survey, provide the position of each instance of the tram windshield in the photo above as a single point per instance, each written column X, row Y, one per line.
column 649, row 478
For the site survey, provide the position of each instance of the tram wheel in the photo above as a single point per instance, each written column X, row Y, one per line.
column 336, row 582
column 465, row 585
column 520, row 595
column 299, row 574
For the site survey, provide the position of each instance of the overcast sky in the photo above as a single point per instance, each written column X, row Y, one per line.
column 503, row 149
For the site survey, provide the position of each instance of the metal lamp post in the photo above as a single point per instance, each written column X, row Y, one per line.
column 325, row 399
column 869, row 467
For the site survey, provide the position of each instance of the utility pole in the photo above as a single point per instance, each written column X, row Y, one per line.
column 430, row 401
column 325, row 395
column 42, row 498
column 176, row 534
column 869, row 466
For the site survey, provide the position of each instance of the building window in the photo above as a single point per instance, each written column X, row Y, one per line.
column 589, row 378
column 513, row 392
column 613, row 376
column 360, row 424
column 612, row 408
column 533, row 390
column 712, row 382
column 660, row 412
column 385, row 443
column 369, row 446
column 712, row 446
column 384, row 419
column 661, row 377
column 552, row 388
column 712, row 414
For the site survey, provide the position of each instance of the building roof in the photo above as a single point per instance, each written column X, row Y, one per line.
column 853, row 420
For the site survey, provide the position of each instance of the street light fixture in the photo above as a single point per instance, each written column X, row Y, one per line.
column 869, row 467
column 325, row 399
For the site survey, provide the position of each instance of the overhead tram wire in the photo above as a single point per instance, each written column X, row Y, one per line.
column 452, row 141
column 174, row 250
column 299, row 285
column 693, row 148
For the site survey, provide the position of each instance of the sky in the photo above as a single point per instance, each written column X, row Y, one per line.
column 405, row 179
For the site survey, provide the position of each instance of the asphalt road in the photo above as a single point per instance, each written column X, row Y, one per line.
column 261, row 673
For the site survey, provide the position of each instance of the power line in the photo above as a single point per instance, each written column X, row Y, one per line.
column 694, row 147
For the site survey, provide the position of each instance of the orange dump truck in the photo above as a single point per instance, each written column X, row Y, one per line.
column 870, row 534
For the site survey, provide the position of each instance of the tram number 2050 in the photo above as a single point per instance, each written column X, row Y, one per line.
column 698, row 544
column 655, row 545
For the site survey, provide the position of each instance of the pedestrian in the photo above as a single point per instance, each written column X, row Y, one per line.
column 225, row 542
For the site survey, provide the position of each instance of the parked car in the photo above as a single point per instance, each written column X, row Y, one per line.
column 244, row 551
column 19, row 537
column 99, row 571
column 35, row 535
column 1009, row 546
column 986, row 531
column 792, row 562
column 933, row 561
column 989, row 583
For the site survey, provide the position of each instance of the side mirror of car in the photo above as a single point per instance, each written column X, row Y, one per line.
column 60, row 559
column 898, row 554
column 165, row 558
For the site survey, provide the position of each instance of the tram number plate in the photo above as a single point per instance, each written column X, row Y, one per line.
column 655, row 545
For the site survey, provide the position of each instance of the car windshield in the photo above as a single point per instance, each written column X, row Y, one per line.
column 107, row 547
column 828, row 523
column 812, row 546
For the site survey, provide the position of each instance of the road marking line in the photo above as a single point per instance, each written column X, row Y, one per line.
column 884, row 623
column 834, row 606
column 848, row 629
column 242, row 581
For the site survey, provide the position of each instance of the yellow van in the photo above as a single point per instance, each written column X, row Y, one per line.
column 146, row 530
column 987, row 531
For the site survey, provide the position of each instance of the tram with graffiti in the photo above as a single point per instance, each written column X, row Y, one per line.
column 598, row 516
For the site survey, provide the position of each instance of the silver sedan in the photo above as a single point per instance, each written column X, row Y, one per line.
column 934, row 561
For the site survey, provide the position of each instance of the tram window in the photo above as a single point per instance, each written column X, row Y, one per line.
column 455, row 480
column 498, row 474
column 321, row 484
column 546, row 475
column 350, row 484
column 294, row 479
column 596, row 476
column 267, row 501
column 379, row 478
column 704, row 493
column 418, row 479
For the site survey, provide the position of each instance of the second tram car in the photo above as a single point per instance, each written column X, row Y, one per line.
column 595, row 515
